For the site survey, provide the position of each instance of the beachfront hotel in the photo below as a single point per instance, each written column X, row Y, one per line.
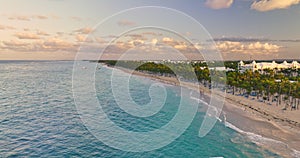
column 267, row 65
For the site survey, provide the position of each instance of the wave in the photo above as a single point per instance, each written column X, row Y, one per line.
column 207, row 104
column 296, row 153
column 276, row 146
column 200, row 101
column 273, row 144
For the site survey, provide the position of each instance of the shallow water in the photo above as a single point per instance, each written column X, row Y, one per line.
column 38, row 117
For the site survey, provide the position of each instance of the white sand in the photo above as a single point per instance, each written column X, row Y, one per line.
column 252, row 116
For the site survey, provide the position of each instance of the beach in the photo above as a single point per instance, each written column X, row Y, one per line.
column 40, row 115
column 266, row 125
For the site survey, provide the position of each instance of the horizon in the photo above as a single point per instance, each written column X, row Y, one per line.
column 92, row 60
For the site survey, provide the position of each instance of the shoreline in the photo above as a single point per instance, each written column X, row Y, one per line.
column 279, row 129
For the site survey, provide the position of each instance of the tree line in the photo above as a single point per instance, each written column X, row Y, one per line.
column 269, row 86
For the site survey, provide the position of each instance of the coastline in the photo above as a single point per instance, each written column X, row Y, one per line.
column 266, row 125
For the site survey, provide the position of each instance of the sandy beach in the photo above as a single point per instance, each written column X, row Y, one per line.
column 264, row 124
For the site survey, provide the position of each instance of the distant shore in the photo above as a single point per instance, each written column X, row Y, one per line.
column 279, row 129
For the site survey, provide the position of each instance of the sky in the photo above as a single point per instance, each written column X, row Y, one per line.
column 62, row 29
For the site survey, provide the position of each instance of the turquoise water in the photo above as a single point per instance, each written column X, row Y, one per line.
column 38, row 118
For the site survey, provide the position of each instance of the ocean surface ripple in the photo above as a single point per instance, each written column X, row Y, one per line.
column 38, row 118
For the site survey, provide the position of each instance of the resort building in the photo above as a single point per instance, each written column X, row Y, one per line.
column 267, row 65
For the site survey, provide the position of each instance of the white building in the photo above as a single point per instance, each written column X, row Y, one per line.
column 218, row 68
column 267, row 65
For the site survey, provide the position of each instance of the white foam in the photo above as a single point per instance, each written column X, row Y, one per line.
column 296, row 153
column 263, row 141
column 207, row 104
column 200, row 101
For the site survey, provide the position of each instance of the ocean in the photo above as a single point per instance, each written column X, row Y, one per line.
column 39, row 117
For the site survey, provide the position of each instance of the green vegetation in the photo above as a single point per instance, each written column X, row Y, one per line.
column 282, row 87
column 268, row 87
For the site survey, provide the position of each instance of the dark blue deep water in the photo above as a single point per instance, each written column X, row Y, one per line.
column 38, row 118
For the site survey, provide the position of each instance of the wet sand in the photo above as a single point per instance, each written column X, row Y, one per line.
column 266, row 125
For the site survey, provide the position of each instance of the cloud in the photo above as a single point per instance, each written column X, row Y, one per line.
column 80, row 38
column 26, row 35
column 42, row 33
column 152, row 33
column 14, row 43
column 198, row 46
column 85, row 30
column 27, row 18
column 56, row 44
column 136, row 36
column 154, row 42
column 55, row 17
column 5, row 27
column 153, row 48
column 181, row 46
column 137, row 42
column 110, row 36
column 138, row 46
column 126, row 23
column 83, row 38
column 60, row 33
column 218, row 4
column 47, row 45
column 289, row 40
column 100, row 40
column 241, row 39
column 167, row 39
column 267, row 5
column 41, row 17
column 246, row 39
column 248, row 47
column 19, row 17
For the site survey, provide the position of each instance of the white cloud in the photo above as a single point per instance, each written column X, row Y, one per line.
column 80, row 38
column 135, row 43
column 85, row 30
column 56, row 42
column 136, row 36
column 27, row 18
column 83, row 38
column 100, row 40
column 152, row 33
column 181, row 46
column 248, row 48
column 5, row 27
column 41, row 17
column 14, row 43
column 26, row 35
column 167, row 39
column 267, row 5
column 218, row 4
column 19, row 17
column 48, row 45
column 42, row 33
column 198, row 46
column 154, row 42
